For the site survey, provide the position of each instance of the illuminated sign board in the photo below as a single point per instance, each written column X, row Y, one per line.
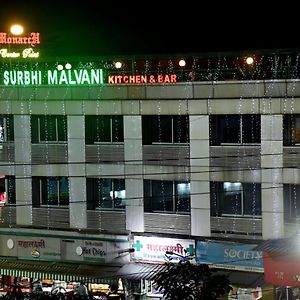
column 155, row 248
column 234, row 256
column 26, row 53
column 52, row 77
column 30, row 42
column 142, row 79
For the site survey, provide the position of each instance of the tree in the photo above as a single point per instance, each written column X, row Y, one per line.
column 187, row 281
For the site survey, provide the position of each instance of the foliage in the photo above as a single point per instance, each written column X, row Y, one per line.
column 187, row 281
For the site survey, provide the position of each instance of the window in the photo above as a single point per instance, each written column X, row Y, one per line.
column 291, row 202
column 7, row 190
column 105, row 193
column 291, row 130
column 165, row 129
column 166, row 196
column 48, row 128
column 104, row 129
column 6, row 128
column 53, row 191
column 235, row 198
column 234, row 129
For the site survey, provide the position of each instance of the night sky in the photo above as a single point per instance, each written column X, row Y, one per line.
column 97, row 28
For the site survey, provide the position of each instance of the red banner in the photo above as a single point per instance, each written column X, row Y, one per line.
column 282, row 269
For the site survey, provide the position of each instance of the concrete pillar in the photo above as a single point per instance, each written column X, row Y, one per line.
column 200, row 191
column 77, row 172
column 271, row 176
column 134, row 169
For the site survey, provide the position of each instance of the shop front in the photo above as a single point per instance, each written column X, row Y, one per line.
column 283, row 272
column 148, row 260
column 239, row 262
column 58, row 257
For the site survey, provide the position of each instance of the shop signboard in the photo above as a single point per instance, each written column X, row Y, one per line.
column 105, row 251
column 43, row 248
column 15, row 46
column 233, row 256
column 154, row 249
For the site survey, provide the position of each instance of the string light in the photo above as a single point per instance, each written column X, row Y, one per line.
column 249, row 60
column 118, row 65
column 182, row 63
column 16, row 29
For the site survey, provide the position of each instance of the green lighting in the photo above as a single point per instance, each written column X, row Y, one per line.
column 53, row 77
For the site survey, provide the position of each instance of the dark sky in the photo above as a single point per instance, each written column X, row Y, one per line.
column 97, row 28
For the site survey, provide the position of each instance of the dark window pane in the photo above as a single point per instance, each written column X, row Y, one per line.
column 103, row 129
column 119, row 193
column 229, row 129
column 148, row 196
column 89, row 130
column 117, row 129
column 162, row 195
column 62, row 128
column 214, row 199
column 181, row 129
column 105, row 192
column 231, row 198
column 91, row 193
column 147, row 133
column 35, row 129
column 183, row 191
column 251, row 129
column 11, row 189
column 6, row 128
column 162, row 129
column 2, row 129
column 291, row 130
column 63, row 191
column 291, row 202
column 36, row 193
column 52, row 191
column 251, row 199
column 48, row 128
column 10, row 128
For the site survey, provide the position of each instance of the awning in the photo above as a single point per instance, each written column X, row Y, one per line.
column 93, row 273
column 243, row 278
column 289, row 245
column 137, row 271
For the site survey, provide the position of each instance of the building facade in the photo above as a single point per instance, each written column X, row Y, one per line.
column 191, row 154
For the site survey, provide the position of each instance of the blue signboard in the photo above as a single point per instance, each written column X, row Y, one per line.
column 230, row 256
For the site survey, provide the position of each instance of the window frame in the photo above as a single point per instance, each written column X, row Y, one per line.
column 290, row 135
column 6, row 128
column 37, row 132
column 150, row 194
column 218, row 198
column 218, row 136
column 291, row 205
column 41, row 186
column 165, row 129
column 93, row 126
column 95, row 187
